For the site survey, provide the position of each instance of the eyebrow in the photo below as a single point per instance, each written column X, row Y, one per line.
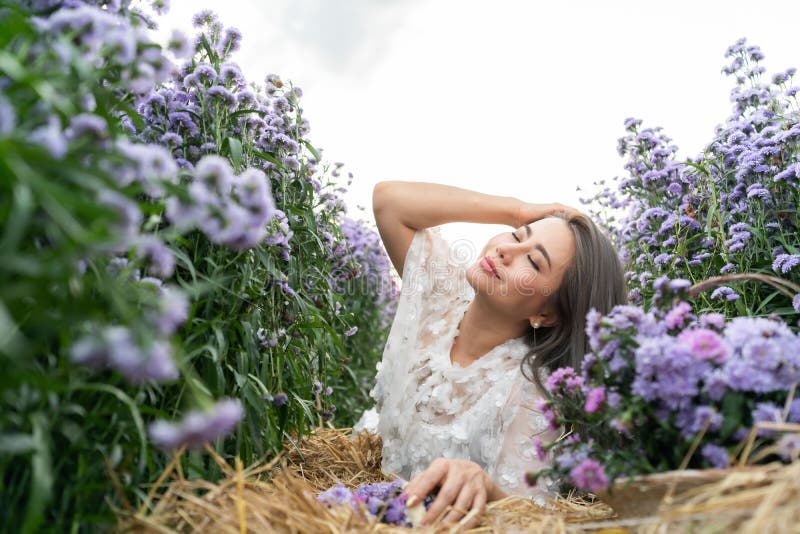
column 539, row 247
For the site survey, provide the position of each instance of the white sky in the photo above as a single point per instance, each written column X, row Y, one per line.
column 505, row 97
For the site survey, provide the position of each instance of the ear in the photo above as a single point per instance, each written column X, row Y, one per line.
column 543, row 319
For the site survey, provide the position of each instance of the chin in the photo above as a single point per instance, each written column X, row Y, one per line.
column 479, row 279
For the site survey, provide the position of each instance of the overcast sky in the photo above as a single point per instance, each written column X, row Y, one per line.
column 519, row 98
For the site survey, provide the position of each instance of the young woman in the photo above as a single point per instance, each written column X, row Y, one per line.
column 462, row 370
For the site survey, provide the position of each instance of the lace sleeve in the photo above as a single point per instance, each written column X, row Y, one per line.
column 430, row 265
column 522, row 422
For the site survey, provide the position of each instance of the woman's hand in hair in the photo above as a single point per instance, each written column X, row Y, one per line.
column 463, row 486
column 529, row 212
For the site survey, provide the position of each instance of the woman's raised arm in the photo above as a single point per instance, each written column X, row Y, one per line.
column 402, row 208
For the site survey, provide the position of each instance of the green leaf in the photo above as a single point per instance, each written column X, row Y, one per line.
column 12, row 343
column 235, row 151
column 269, row 157
column 135, row 415
column 17, row 221
column 210, row 51
column 42, row 476
column 17, row 443
column 312, row 150
column 732, row 405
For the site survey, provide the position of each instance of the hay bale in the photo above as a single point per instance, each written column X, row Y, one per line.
column 280, row 496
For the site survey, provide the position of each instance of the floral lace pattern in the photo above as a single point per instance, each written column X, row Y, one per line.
column 429, row 407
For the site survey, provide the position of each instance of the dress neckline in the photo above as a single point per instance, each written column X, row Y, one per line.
column 480, row 361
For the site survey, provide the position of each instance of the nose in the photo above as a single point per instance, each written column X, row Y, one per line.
column 507, row 251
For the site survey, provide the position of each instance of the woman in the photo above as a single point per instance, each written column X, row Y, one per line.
column 461, row 372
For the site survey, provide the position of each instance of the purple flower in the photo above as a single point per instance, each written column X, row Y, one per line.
column 677, row 315
column 564, row 377
column 280, row 399
column 712, row 320
column 705, row 344
column 337, row 495
column 789, row 446
column 89, row 351
column 724, row 292
column 697, row 419
column 8, row 117
column 765, row 359
column 631, row 124
column 179, row 45
column 767, row 412
column 792, row 171
column 785, row 262
column 796, row 303
column 538, row 448
column 223, row 95
column 205, row 17
column 715, row 455
column 162, row 261
column 666, row 371
column 549, row 414
column 589, row 475
column 51, row 137
column 595, row 399
column 351, row 331
column 160, row 6
column 396, row 511
column 230, row 42
column 173, row 310
column 136, row 365
column 198, row 427
column 87, row 124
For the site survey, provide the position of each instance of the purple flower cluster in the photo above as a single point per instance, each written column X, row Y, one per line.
column 362, row 250
column 589, row 475
column 731, row 209
column 667, row 376
column 198, row 427
column 381, row 499
column 106, row 39
column 231, row 210
column 116, row 347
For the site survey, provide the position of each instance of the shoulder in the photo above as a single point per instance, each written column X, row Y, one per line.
column 432, row 265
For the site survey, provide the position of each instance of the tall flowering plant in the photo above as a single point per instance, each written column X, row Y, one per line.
column 731, row 209
column 169, row 253
column 272, row 252
column 662, row 386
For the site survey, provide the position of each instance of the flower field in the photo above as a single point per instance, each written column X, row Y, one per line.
column 178, row 265
column 701, row 369
column 179, row 269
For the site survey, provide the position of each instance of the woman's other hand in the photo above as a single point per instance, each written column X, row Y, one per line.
column 529, row 212
column 462, row 484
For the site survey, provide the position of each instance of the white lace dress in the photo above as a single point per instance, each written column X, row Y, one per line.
column 428, row 407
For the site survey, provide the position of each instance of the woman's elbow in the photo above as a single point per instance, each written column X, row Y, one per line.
column 381, row 194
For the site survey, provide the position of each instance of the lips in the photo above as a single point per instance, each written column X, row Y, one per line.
column 488, row 265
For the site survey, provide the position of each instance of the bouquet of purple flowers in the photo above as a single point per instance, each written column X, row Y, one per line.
column 383, row 500
column 668, row 389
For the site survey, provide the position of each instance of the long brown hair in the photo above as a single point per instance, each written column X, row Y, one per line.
column 595, row 279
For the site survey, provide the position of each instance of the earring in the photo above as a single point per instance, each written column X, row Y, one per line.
column 535, row 325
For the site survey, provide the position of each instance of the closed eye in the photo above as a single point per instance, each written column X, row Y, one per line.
column 529, row 258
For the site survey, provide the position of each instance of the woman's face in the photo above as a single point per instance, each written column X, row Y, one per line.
column 518, row 270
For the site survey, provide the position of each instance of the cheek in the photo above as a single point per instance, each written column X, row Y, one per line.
column 525, row 283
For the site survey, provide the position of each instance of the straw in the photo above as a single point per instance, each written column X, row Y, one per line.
column 280, row 496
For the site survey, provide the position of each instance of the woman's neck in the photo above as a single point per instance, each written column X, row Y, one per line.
column 481, row 330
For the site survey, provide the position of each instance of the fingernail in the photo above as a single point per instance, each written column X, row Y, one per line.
column 412, row 501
